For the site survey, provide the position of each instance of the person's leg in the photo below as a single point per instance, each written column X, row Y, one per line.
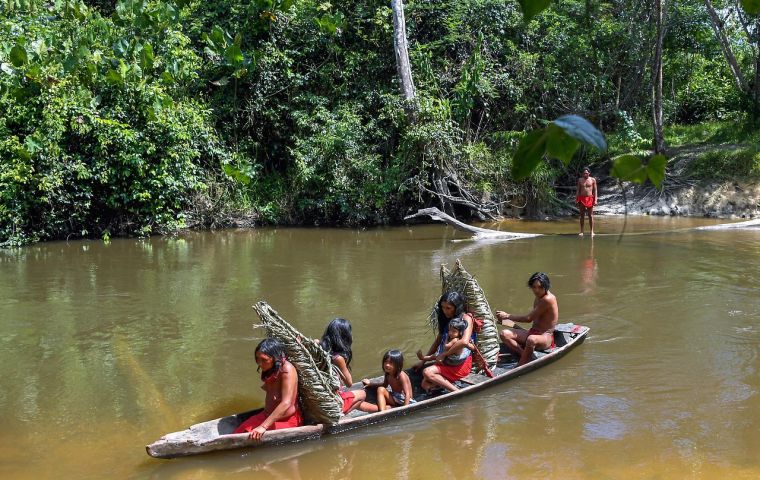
column 533, row 342
column 514, row 338
column 433, row 378
column 583, row 215
column 251, row 423
column 382, row 398
column 591, row 219
column 359, row 397
column 368, row 407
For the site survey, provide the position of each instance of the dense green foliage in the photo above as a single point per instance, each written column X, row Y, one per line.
column 135, row 117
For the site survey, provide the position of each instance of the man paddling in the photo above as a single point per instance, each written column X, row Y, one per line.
column 586, row 198
column 543, row 317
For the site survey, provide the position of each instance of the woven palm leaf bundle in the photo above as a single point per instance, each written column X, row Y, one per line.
column 460, row 281
column 317, row 383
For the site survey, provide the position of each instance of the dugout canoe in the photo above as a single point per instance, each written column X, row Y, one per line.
column 217, row 434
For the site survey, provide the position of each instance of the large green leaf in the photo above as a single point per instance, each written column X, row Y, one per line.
column 529, row 153
column 18, row 56
column 656, row 169
column 560, row 145
column 146, row 57
column 629, row 169
column 751, row 6
column 582, row 130
column 531, row 8
column 233, row 55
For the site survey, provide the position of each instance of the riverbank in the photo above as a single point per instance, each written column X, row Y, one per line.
column 703, row 180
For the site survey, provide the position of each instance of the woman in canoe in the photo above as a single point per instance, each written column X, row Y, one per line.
column 280, row 379
column 337, row 341
column 453, row 359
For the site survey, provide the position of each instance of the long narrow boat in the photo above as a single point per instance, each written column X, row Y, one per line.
column 217, row 434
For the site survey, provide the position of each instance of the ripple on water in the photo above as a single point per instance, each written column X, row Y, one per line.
column 606, row 417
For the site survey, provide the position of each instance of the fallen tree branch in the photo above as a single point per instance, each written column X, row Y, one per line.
column 476, row 232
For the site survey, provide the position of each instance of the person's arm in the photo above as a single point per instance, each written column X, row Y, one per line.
column 345, row 373
column 377, row 383
column 578, row 189
column 407, row 387
column 430, row 355
column 288, row 387
column 594, row 191
column 530, row 317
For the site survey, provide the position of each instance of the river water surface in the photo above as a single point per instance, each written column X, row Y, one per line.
column 105, row 347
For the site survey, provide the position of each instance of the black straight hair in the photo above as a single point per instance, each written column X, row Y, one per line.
column 542, row 278
column 455, row 299
column 397, row 360
column 337, row 339
column 275, row 349
column 459, row 324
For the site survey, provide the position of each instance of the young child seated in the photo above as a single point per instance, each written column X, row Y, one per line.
column 456, row 356
column 395, row 390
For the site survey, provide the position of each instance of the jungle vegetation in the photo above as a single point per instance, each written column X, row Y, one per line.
column 136, row 117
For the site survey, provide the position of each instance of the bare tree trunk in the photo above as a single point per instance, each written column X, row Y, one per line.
column 725, row 45
column 403, row 67
column 659, row 139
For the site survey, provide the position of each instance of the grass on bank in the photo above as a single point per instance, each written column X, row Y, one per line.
column 730, row 148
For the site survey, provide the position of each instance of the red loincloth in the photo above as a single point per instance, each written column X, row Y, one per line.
column 453, row 373
column 295, row 420
column 535, row 331
column 587, row 202
column 348, row 399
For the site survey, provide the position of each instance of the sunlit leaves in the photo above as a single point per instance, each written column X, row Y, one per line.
column 18, row 56
column 531, row 8
column 146, row 57
column 243, row 174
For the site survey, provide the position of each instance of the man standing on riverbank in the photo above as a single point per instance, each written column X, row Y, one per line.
column 544, row 316
column 586, row 198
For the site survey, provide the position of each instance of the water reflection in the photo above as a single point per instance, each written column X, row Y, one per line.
column 104, row 348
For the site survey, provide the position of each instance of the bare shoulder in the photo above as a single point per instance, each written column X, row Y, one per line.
column 339, row 360
column 548, row 299
column 287, row 368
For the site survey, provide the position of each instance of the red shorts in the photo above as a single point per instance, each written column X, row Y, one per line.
column 295, row 420
column 348, row 399
column 453, row 373
column 587, row 202
column 535, row 331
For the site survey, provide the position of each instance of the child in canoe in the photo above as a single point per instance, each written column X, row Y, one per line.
column 281, row 386
column 453, row 360
column 395, row 390
column 457, row 353
column 337, row 341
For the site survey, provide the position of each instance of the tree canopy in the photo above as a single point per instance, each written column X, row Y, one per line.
column 140, row 117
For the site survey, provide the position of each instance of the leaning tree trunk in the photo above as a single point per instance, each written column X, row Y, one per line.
column 725, row 45
column 400, row 46
column 659, row 139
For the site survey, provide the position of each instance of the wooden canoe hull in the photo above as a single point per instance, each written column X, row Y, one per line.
column 214, row 435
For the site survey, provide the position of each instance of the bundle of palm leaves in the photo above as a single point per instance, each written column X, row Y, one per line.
column 317, row 384
column 460, row 281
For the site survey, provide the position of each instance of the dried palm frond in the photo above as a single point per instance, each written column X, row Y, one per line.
column 317, row 384
column 460, row 281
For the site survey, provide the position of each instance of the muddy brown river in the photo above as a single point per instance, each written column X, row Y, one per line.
column 105, row 347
